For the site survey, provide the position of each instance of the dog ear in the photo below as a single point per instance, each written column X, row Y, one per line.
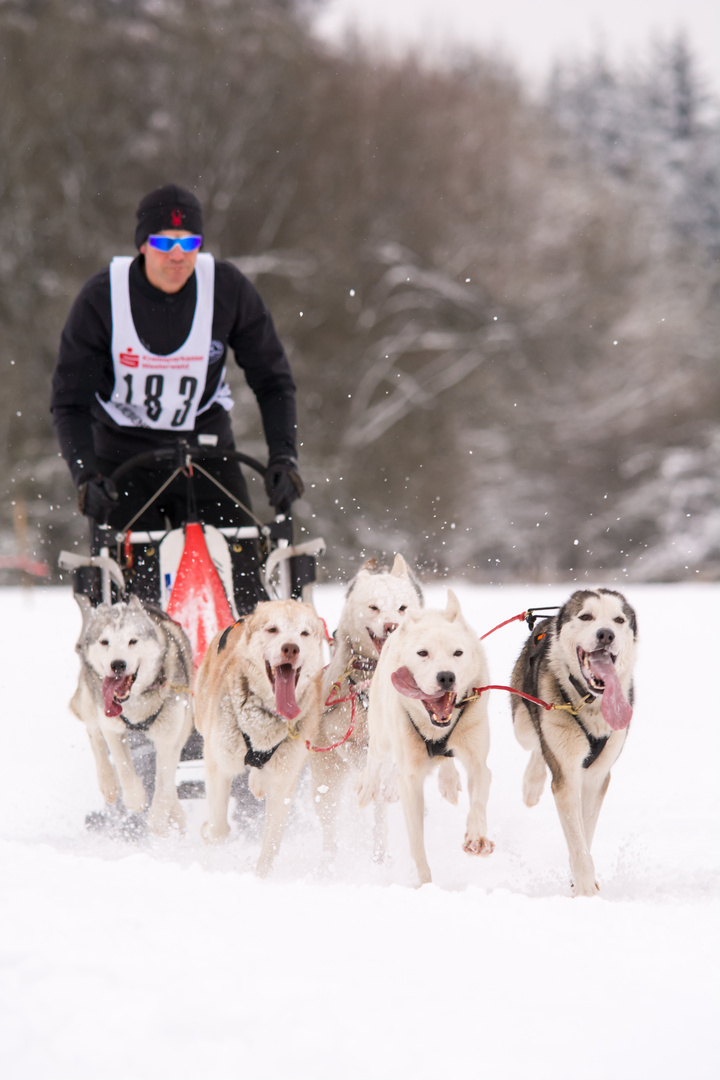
column 452, row 611
column 400, row 567
column 134, row 604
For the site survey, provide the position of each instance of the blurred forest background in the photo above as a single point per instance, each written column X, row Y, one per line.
column 502, row 312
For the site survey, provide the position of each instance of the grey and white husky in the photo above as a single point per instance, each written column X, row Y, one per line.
column 135, row 676
column 580, row 662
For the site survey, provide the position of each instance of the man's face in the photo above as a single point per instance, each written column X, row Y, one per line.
column 169, row 270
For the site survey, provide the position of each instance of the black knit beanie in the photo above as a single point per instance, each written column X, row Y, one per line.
column 170, row 207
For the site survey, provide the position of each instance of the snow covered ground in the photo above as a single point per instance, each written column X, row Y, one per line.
column 167, row 959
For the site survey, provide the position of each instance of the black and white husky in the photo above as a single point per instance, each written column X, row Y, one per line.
column 135, row 676
column 580, row 662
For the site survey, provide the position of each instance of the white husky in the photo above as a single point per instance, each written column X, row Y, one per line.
column 376, row 602
column 136, row 675
column 423, row 711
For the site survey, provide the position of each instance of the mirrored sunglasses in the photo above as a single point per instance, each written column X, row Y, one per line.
column 167, row 243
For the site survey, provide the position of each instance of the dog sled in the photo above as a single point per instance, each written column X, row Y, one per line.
column 203, row 576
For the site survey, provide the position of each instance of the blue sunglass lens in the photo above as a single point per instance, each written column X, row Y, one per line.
column 167, row 243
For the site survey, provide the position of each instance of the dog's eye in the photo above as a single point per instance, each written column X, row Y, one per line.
column 403, row 608
column 373, row 607
column 304, row 633
column 105, row 642
column 133, row 641
column 587, row 617
column 458, row 652
column 619, row 620
column 423, row 652
column 271, row 630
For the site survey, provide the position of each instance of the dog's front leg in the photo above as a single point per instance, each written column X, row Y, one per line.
column 165, row 810
column 133, row 790
column 569, row 807
column 279, row 787
column 479, row 777
column 413, row 803
column 107, row 780
column 593, row 795
column 327, row 771
column 217, row 790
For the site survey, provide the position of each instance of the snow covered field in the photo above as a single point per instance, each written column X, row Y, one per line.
column 165, row 959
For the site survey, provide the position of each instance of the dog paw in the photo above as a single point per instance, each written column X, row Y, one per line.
column 164, row 821
column 449, row 784
column 586, row 889
column 214, row 835
column 478, row 846
column 135, row 799
column 255, row 783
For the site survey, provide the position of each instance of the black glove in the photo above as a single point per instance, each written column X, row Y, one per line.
column 283, row 484
column 97, row 498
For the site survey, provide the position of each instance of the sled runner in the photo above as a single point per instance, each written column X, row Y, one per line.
column 203, row 576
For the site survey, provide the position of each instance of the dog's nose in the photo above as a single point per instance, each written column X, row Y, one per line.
column 389, row 627
column 445, row 680
column 290, row 651
column 118, row 667
column 605, row 636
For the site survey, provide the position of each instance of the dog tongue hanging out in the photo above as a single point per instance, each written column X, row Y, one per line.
column 615, row 708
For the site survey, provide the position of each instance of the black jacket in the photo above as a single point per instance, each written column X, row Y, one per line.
column 163, row 320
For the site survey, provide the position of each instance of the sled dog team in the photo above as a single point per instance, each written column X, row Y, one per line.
column 404, row 695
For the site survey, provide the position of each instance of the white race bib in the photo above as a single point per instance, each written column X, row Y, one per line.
column 159, row 391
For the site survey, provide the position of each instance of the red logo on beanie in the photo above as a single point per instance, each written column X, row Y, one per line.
column 176, row 218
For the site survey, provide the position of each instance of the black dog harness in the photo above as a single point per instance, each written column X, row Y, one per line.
column 438, row 747
column 257, row 758
column 595, row 742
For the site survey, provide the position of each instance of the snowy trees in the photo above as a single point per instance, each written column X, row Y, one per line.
column 500, row 315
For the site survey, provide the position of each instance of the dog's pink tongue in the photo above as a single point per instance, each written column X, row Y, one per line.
column 285, row 702
column 616, row 710
column 115, row 686
column 405, row 684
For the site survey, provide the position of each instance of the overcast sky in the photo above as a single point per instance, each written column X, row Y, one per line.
column 534, row 33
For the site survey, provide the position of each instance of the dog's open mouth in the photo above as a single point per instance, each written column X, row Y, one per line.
column 598, row 669
column 284, row 679
column 116, row 690
column 378, row 642
column 439, row 706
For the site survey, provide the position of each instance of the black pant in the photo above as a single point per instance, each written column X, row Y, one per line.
column 183, row 500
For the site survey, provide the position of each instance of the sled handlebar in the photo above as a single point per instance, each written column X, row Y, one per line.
column 179, row 455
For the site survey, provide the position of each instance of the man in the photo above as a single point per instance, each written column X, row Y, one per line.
column 142, row 366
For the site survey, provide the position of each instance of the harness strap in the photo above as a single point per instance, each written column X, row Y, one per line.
column 144, row 724
column 257, row 758
column 595, row 742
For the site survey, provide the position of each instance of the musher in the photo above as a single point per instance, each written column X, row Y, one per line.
column 142, row 366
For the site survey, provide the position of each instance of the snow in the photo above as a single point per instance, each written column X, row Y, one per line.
column 166, row 958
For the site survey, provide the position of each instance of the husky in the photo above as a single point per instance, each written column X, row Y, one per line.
column 423, row 711
column 376, row 601
column 581, row 663
column 135, row 676
column 258, row 703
